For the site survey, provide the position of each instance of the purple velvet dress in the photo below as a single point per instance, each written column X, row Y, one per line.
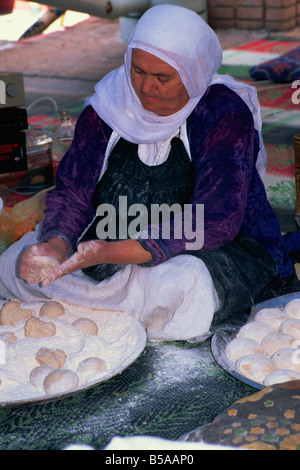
column 224, row 147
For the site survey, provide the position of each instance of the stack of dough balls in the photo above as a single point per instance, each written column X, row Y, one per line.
column 265, row 350
column 50, row 374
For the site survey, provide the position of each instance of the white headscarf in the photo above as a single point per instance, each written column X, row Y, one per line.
column 180, row 37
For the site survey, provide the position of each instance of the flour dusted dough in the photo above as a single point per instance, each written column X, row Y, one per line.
column 52, row 309
column 59, row 381
column 89, row 367
column 8, row 337
column 55, row 357
column 280, row 376
column 240, row 347
column 255, row 367
column 36, row 328
column 45, row 264
column 272, row 316
column 287, row 358
column 275, row 341
column 292, row 309
column 38, row 375
column 291, row 327
column 11, row 313
column 255, row 330
column 86, row 326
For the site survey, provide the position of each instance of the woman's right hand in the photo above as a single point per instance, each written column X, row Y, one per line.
column 37, row 261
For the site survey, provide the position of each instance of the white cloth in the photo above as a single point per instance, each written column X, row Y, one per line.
column 175, row 300
column 180, row 37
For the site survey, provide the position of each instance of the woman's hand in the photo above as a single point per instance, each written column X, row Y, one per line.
column 37, row 261
column 99, row 252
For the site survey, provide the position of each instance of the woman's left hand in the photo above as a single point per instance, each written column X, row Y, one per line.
column 96, row 252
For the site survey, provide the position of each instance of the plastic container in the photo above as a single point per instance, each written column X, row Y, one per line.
column 62, row 139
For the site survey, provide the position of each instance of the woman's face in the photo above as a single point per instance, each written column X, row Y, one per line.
column 157, row 84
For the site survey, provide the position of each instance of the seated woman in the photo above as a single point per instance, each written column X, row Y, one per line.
column 162, row 131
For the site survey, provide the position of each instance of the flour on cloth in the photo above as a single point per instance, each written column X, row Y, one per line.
column 175, row 300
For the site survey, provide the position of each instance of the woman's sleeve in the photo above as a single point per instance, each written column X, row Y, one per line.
column 69, row 207
column 223, row 155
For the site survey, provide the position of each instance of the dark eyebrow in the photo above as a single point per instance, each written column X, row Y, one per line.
column 165, row 75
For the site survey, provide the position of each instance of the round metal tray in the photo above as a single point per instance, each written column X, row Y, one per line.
column 224, row 335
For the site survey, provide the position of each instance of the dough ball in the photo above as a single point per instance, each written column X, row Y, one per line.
column 52, row 309
column 275, row 341
column 8, row 337
column 59, row 381
column 90, row 366
column 281, row 375
column 240, row 347
column 38, row 375
column 51, row 357
column 255, row 367
column 255, row 330
column 36, row 328
column 86, row 326
column 291, row 327
column 287, row 358
column 11, row 313
column 43, row 266
column 272, row 316
column 292, row 309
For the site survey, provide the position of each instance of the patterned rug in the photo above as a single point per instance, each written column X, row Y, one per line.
column 281, row 118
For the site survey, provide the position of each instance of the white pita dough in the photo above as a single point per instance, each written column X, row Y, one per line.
column 255, row 367
column 280, row 376
column 275, row 341
column 38, row 374
column 52, row 309
column 272, row 316
column 292, row 309
column 287, row 358
column 36, row 328
column 240, row 347
column 291, row 327
column 90, row 367
column 255, row 330
column 54, row 358
column 11, row 313
column 86, row 326
column 59, row 381
column 45, row 265
column 8, row 337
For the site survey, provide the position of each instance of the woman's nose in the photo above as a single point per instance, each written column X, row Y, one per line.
column 148, row 84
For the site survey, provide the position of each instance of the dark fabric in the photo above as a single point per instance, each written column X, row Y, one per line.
column 126, row 175
column 283, row 69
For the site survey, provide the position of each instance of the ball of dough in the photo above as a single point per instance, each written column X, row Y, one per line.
column 86, row 326
column 11, row 313
column 54, row 358
column 52, row 309
column 90, row 366
column 255, row 330
column 36, row 328
column 287, row 358
column 275, row 341
column 44, row 265
column 38, row 375
column 272, row 316
column 255, row 367
column 292, row 309
column 8, row 337
column 240, row 347
column 59, row 381
column 280, row 376
column 291, row 327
